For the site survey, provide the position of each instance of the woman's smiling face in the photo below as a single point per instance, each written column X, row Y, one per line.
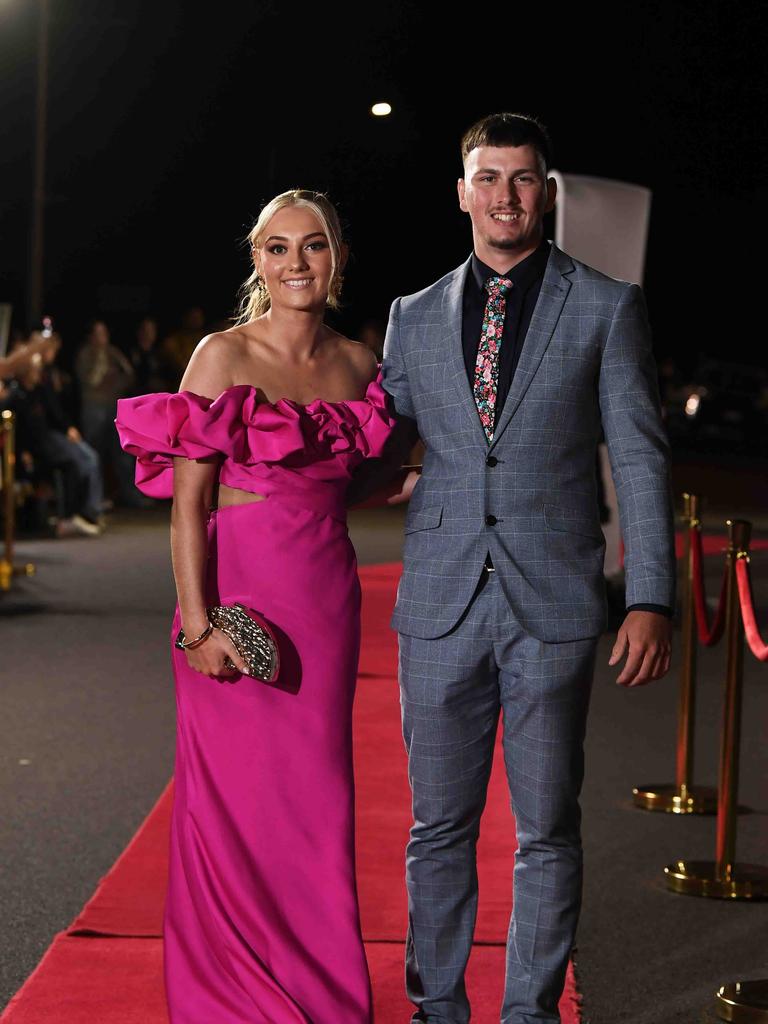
column 295, row 259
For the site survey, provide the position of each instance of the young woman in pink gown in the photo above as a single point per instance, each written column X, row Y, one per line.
column 261, row 918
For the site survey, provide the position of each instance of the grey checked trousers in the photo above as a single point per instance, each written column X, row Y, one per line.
column 453, row 690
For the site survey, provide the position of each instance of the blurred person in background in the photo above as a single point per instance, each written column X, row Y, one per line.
column 63, row 444
column 46, row 441
column 151, row 372
column 178, row 347
column 22, row 354
column 105, row 375
column 61, row 383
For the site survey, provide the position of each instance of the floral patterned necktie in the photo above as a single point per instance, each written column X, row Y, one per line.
column 486, row 382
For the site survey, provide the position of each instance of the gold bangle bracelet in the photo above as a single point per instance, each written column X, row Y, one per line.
column 188, row 645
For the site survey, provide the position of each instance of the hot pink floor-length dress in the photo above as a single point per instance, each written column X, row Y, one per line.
column 261, row 916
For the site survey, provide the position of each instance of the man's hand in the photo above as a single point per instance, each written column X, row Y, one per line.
column 646, row 639
column 396, row 491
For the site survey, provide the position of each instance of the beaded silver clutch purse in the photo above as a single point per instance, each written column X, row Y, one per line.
column 254, row 640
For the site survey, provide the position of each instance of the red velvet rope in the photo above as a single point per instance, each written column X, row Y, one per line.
column 708, row 636
column 755, row 641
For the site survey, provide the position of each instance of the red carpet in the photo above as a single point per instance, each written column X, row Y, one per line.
column 113, row 946
column 119, row 981
column 715, row 544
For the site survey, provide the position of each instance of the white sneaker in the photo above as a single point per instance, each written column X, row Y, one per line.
column 84, row 527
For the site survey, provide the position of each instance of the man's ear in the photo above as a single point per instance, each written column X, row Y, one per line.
column 462, row 190
column 551, row 195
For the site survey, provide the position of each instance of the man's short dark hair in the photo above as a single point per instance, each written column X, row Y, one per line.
column 508, row 130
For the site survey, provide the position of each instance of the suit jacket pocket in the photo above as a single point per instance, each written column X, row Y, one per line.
column 424, row 518
column 572, row 521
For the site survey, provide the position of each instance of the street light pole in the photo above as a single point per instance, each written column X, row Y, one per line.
column 35, row 293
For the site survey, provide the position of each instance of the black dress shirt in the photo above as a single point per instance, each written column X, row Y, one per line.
column 526, row 277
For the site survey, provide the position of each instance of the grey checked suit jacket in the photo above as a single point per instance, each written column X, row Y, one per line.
column 586, row 363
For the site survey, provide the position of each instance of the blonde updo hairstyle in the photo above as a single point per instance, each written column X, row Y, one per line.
column 254, row 297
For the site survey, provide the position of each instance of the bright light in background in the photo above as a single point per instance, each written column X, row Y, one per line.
column 692, row 404
column 381, row 109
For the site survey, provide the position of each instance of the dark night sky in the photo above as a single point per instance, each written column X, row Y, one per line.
column 170, row 125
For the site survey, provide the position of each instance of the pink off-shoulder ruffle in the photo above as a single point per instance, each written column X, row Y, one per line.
column 157, row 427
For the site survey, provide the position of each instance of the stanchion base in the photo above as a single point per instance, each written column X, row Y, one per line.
column 8, row 570
column 743, row 1002
column 700, row 878
column 673, row 800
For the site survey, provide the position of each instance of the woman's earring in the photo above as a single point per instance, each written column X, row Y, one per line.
column 260, row 282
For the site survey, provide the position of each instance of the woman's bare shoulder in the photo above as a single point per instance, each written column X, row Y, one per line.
column 211, row 366
column 231, row 338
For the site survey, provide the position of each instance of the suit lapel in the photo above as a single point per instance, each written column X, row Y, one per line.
column 549, row 306
column 452, row 323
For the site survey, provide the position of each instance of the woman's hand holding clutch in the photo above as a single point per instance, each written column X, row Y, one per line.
column 210, row 656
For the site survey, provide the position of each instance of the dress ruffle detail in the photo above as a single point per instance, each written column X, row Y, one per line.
column 157, row 427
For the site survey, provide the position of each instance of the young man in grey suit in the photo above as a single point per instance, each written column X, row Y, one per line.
column 510, row 366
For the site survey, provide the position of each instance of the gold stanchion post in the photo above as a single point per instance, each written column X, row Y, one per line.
column 6, row 562
column 723, row 878
column 7, row 568
column 683, row 797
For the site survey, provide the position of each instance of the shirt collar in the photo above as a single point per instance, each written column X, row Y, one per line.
column 522, row 275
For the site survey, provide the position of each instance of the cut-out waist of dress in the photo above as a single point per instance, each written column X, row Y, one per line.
column 325, row 498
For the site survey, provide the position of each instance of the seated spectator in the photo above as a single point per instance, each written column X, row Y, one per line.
column 45, row 442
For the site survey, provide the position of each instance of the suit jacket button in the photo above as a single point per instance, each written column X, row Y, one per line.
column 491, row 461
column 491, row 520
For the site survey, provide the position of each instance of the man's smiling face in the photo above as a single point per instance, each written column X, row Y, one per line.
column 506, row 194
